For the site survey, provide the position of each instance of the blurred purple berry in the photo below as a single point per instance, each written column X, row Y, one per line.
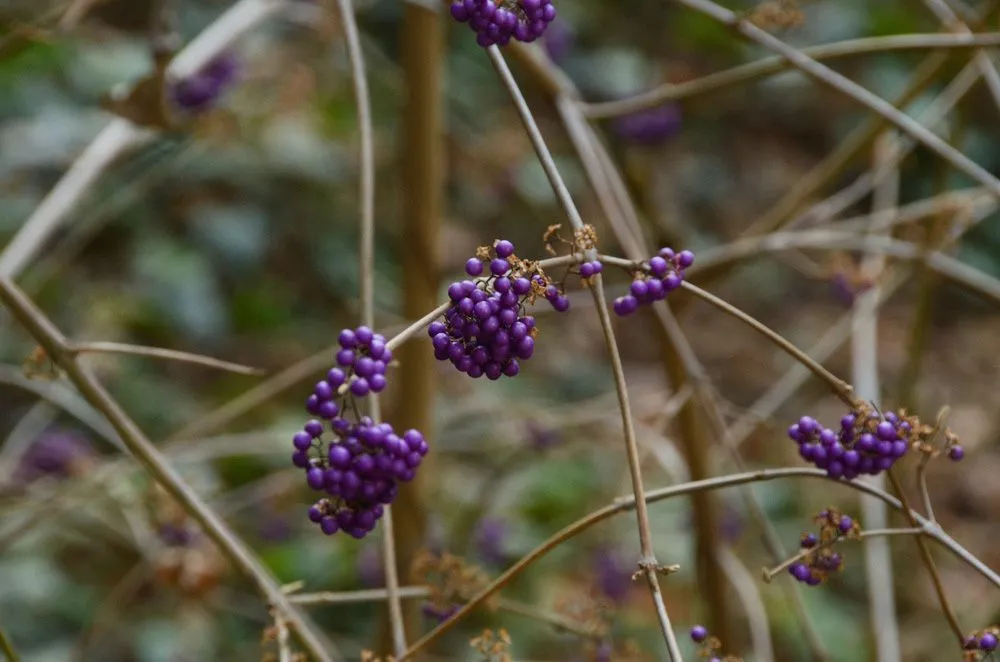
column 649, row 126
column 699, row 633
column 489, row 538
column 56, row 453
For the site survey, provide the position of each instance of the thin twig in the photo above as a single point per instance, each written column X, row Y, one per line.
column 356, row 597
column 284, row 649
column 161, row 353
column 647, row 562
column 626, row 503
column 949, row 18
column 753, row 605
column 235, row 550
column 851, row 147
column 7, row 648
column 770, row 573
column 969, row 277
column 773, row 65
column 865, row 377
column 849, row 88
column 366, row 266
column 841, row 388
column 928, row 560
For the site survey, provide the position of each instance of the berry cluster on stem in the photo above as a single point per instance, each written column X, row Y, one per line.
column 499, row 21
column 356, row 461
column 657, row 278
column 486, row 330
column 817, row 560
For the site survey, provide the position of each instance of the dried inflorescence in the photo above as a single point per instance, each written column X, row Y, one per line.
column 492, row 646
column 452, row 582
column 776, row 15
column 711, row 647
column 589, row 610
column 819, row 560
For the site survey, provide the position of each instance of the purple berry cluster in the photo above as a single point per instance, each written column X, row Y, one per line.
column 659, row 277
column 591, row 269
column 987, row 641
column 485, row 330
column 355, row 460
column 868, row 442
column 818, row 560
column 499, row 21
column 198, row 92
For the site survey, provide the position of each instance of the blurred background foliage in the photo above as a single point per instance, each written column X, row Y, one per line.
column 236, row 237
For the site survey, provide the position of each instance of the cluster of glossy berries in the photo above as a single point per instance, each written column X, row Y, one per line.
column 868, row 442
column 818, row 560
column 985, row 641
column 658, row 278
column 590, row 269
column 485, row 330
column 499, row 21
column 357, row 462
column 200, row 91
column 710, row 646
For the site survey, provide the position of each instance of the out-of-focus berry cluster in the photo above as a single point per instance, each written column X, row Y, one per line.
column 485, row 331
column 499, row 21
column 661, row 275
column 818, row 559
column 56, row 453
column 356, row 461
column 199, row 92
column 711, row 647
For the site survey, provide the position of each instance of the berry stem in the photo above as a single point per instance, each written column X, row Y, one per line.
column 769, row 573
column 768, row 66
column 925, row 556
column 161, row 353
column 366, row 277
column 841, row 388
column 841, row 84
column 647, row 562
column 7, row 648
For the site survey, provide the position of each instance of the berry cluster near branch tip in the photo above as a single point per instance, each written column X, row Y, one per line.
column 660, row 276
column 485, row 330
column 355, row 460
column 817, row 559
column 496, row 22
column 868, row 442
